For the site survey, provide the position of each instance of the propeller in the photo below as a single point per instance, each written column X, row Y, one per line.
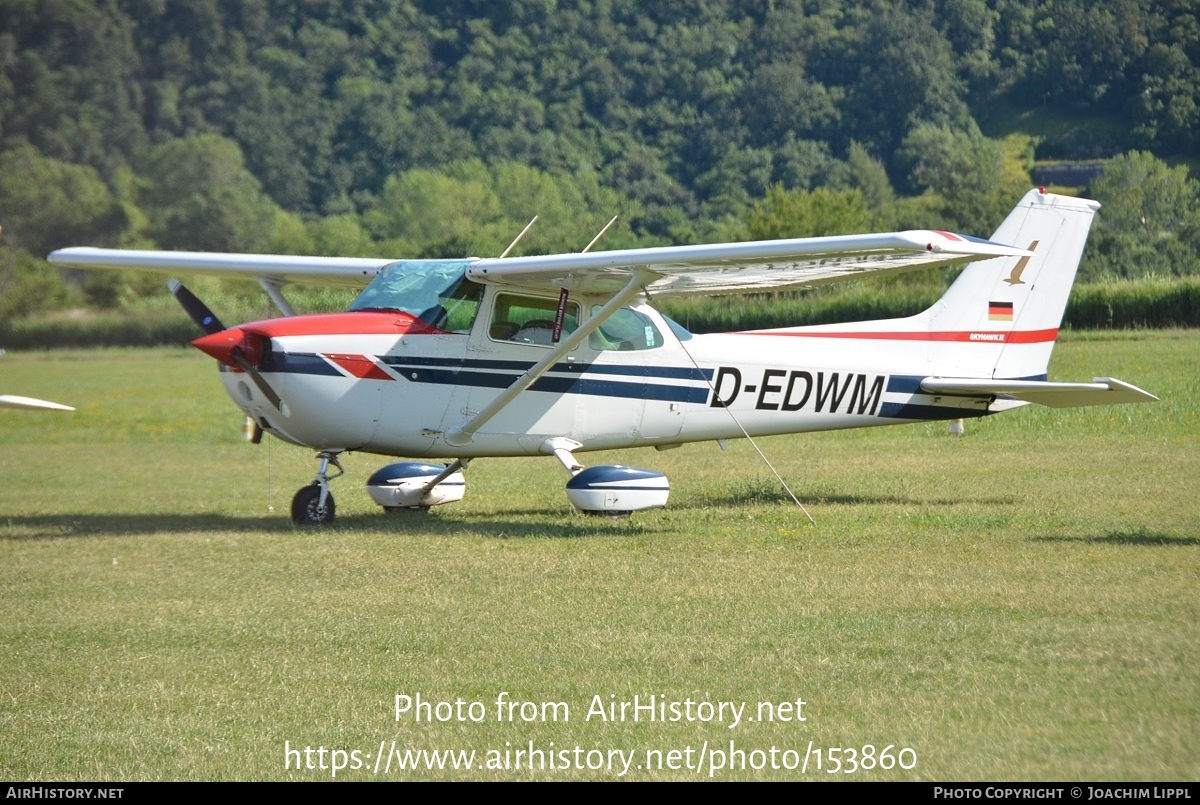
column 207, row 321
column 240, row 359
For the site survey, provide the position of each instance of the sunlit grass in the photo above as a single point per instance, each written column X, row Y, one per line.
column 1019, row 603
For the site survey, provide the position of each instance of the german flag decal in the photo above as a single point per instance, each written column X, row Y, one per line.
column 1000, row 311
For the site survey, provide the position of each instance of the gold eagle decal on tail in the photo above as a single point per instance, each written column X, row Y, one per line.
column 1015, row 277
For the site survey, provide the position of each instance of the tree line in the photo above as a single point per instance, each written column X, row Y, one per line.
column 407, row 128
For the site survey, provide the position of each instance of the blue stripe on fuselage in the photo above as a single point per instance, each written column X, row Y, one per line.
column 562, row 385
column 905, row 384
column 450, row 371
column 932, row 413
column 298, row 363
column 911, row 384
column 667, row 372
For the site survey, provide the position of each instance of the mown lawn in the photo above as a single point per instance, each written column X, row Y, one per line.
column 1017, row 604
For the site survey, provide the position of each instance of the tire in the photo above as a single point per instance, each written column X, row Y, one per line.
column 305, row 511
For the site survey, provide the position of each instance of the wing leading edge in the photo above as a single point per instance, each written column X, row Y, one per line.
column 671, row 270
column 353, row 272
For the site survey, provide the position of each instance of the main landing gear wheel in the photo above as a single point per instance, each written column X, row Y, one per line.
column 307, row 509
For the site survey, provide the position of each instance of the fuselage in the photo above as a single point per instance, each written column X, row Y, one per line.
column 394, row 383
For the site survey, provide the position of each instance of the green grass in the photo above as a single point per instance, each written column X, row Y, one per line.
column 1017, row 604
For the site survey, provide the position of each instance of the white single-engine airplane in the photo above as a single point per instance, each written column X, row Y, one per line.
column 563, row 354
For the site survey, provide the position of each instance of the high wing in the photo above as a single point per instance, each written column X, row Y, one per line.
column 354, row 272
column 742, row 267
column 670, row 270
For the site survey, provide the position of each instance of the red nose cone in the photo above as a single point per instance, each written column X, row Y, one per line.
column 221, row 345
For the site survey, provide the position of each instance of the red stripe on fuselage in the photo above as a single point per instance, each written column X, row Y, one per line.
column 359, row 366
column 987, row 336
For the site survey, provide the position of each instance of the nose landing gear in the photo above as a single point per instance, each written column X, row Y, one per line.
column 313, row 504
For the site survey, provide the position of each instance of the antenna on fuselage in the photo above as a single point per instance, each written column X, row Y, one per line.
column 518, row 237
column 599, row 235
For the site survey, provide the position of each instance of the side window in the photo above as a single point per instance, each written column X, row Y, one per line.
column 455, row 311
column 529, row 319
column 625, row 330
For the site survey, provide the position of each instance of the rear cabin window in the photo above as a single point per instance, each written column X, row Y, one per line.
column 625, row 330
column 529, row 319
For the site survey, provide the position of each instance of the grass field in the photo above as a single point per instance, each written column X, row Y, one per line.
column 1018, row 604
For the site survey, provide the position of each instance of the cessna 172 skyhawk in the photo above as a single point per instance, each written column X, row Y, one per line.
column 563, row 354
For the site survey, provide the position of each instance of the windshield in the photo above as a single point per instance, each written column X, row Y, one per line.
column 435, row 291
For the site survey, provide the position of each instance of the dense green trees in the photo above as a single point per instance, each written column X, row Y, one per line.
column 1150, row 223
column 420, row 128
column 802, row 213
column 47, row 203
column 198, row 195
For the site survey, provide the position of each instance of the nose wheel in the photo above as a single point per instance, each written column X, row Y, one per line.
column 313, row 504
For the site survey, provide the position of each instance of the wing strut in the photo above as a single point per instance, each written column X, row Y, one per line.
column 274, row 289
column 458, row 464
column 462, row 435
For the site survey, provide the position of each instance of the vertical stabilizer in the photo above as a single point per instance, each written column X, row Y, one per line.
column 1001, row 316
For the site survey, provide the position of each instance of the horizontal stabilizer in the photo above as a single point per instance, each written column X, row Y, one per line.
column 1101, row 391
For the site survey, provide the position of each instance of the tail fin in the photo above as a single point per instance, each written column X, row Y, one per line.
column 1001, row 316
column 987, row 341
column 997, row 323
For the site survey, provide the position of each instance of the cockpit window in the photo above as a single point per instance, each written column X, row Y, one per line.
column 435, row 291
